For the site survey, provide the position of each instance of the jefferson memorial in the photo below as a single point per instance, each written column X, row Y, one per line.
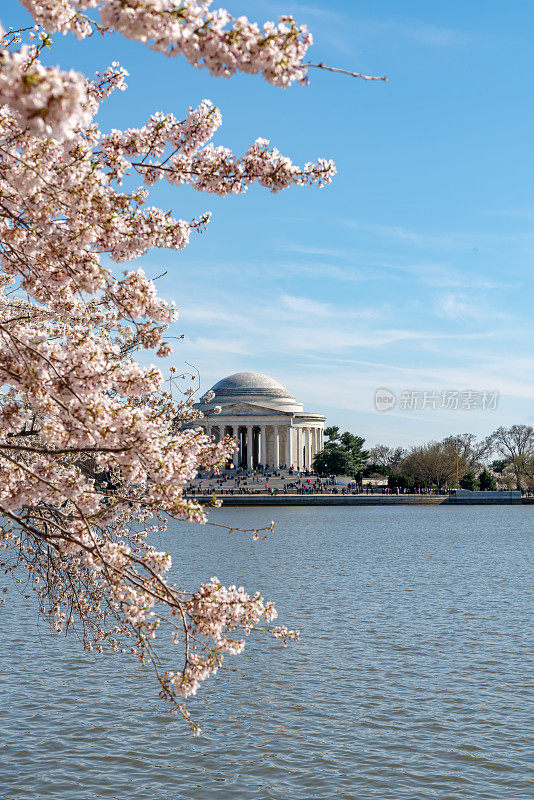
column 270, row 426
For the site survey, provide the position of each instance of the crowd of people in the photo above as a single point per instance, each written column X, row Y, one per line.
column 285, row 482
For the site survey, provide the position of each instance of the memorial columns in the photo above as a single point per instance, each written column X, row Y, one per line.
column 234, row 433
column 307, row 449
column 299, row 448
column 289, row 447
column 276, row 445
column 304, row 439
column 250, row 447
column 263, row 445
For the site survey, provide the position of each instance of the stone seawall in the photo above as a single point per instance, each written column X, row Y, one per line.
column 363, row 500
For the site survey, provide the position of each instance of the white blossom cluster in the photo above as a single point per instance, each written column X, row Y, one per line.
column 94, row 447
column 180, row 152
column 44, row 100
column 208, row 38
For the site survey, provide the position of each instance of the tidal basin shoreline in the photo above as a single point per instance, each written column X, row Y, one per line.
column 361, row 500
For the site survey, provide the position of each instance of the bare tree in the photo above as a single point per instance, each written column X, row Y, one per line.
column 433, row 463
column 471, row 450
column 439, row 463
column 384, row 456
column 516, row 444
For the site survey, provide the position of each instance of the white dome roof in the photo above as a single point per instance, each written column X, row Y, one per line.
column 249, row 383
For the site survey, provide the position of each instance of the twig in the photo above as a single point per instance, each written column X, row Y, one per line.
column 320, row 65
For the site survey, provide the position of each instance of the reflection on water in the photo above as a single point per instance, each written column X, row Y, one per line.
column 412, row 678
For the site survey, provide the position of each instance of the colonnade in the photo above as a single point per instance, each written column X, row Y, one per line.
column 271, row 445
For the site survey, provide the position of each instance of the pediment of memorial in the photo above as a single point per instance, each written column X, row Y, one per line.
column 252, row 410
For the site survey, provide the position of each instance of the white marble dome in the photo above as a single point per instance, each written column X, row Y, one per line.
column 253, row 387
column 253, row 383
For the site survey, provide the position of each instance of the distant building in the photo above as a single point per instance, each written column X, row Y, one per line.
column 271, row 427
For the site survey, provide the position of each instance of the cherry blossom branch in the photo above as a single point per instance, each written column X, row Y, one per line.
column 64, row 450
column 349, row 72
column 70, row 326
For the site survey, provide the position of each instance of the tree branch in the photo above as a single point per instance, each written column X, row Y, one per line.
column 349, row 72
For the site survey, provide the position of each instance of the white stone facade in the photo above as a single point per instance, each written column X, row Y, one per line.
column 271, row 427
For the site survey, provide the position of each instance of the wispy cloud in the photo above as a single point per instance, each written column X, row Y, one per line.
column 305, row 307
column 309, row 9
column 430, row 35
column 431, row 273
column 423, row 33
column 210, row 314
column 420, row 32
column 328, row 271
column 297, row 325
column 399, row 233
column 525, row 213
column 466, row 240
column 309, row 250
column 463, row 307
column 218, row 345
column 444, row 276
column 389, row 231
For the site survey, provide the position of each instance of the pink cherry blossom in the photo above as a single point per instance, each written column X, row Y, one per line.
column 95, row 447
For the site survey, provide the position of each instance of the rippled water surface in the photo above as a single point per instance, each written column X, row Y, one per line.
column 412, row 679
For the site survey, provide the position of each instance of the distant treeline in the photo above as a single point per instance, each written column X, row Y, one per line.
column 505, row 459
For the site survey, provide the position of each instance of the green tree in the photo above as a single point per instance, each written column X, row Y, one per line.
column 343, row 454
column 333, row 462
column 469, row 481
column 400, row 480
column 354, row 445
column 332, row 433
column 486, row 481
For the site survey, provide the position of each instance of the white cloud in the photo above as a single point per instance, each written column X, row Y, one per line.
column 464, row 307
column 389, row 231
column 467, row 241
column 309, row 250
column 217, row 345
column 210, row 314
column 431, row 35
column 444, row 276
column 305, row 307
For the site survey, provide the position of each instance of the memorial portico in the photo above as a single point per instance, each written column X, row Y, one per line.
column 270, row 426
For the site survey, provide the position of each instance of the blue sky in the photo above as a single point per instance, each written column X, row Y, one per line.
column 413, row 270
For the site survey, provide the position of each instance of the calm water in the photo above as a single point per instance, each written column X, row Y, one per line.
column 412, row 679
